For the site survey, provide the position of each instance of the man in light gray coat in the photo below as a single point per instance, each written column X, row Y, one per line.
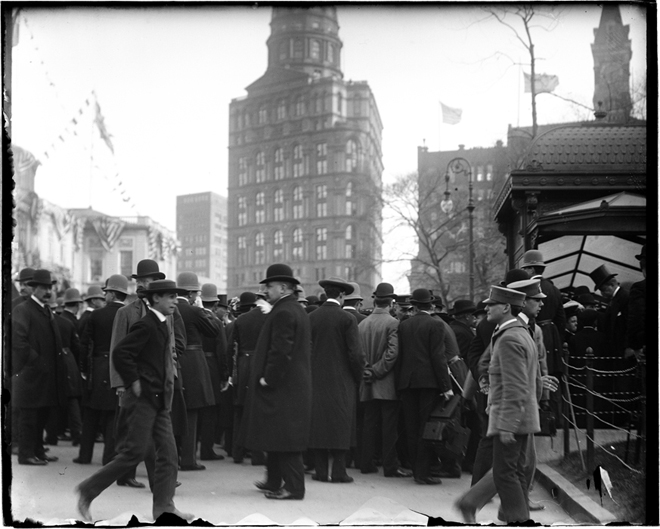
column 380, row 343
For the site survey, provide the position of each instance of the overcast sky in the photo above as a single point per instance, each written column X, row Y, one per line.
column 164, row 78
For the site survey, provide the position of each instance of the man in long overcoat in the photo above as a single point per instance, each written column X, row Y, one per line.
column 37, row 367
column 279, row 403
column 337, row 366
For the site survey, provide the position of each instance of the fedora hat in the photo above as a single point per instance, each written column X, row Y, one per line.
column 533, row 258
column 116, row 283
column 209, row 292
column 41, row 277
column 148, row 268
column 222, row 301
column 601, row 275
column 421, row 296
column 337, row 282
column 247, row 299
column 530, row 287
column 384, row 290
column 188, row 281
column 356, row 292
column 279, row 272
column 461, row 306
column 505, row 295
column 94, row 292
column 72, row 295
column 164, row 286
column 514, row 275
column 25, row 275
column 639, row 257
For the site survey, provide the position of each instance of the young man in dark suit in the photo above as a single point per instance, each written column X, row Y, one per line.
column 143, row 360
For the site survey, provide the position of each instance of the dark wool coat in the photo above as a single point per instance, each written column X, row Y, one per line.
column 95, row 361
column 278, row 415
column 69, row 316
column 481, row 340
column 337, row 365
column 38, row 369
column 215, row 351
column 422, row 354
column 197, row 384
column 70, row 352
column 615, row 323
column 464, row 336
column 353, row 312
column 243, row 338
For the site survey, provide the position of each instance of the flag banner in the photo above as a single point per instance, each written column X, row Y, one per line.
column 100, row 123
column 450, row 115
column 543, row 83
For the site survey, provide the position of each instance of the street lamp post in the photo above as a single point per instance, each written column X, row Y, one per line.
column 462, row 166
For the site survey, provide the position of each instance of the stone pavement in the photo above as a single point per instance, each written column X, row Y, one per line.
column 224, row 494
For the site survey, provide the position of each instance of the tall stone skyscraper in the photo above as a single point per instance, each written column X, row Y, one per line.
column 612, row 51
column 304, row 162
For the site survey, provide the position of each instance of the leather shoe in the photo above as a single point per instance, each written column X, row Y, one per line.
column 196, row 466
column 469, row 515
column 447, row 474
column 399, row 473
column 49, row 459
column 213, row 457
column 80, row 461
column 343, row 479
column 370, row 470
column 130, row 482
column 428, row 481
column 35, row 461
column 536, row 506
column 316, row 477
column 283, row 494
column 265, row 486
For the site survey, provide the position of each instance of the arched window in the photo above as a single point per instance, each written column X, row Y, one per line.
column 260, row 214
column 350, row 205
column 242, row 171
column 321, row 201
column 297, row 202
column 350, row 242
column 331, row 53
column 279, row 163
column 297, row 253
column 278, row 211
column 340, row 103
column 321, row 158
column 298, row 48
column 259, row 257
column 315, row 49
column 261, row 167
column 300, row 106
column 263, row 114
column 242, row 211
column 284, row 50
column 278, row 245
column 351, row 156
column 321, row 244
column 281, row 109
column 297, row 161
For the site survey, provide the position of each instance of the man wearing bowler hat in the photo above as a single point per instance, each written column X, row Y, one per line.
column 37, row 369
column 337, row 365
column 463, row 324
column 143, row 360
column 95, row 299
column 25, row 291
column 422, row 376
column 72, row 302
column 279, row 402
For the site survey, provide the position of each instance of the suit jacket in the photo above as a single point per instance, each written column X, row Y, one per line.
column 422, row 354
column 337, row 366
column 464, row 336
column 552, row 308
column 354, row 312
column 144, row 354
column 480, row 342
column 71, row 318
column 636, row 327
column 278, row 415
column 70, row 354
column 615, row 323
column 514, row 378
column 38, row 369
column 380, row 343
column 243, row 338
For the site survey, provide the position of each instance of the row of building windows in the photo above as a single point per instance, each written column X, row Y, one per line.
column 193, row 265
column 297, row 209
column 299, row 48
column 192, row 199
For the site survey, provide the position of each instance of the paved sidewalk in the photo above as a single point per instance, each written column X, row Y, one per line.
column 224, row 494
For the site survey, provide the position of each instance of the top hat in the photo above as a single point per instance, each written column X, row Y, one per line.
column 116, row 283
column 505, row 295
column 601, row 275
column 639, row 257
column 222, row 301
column 148, row 268
column 337, row 282
column 279, row 272
column 516, row 274
column 247, row 299
column 25, row 275
column 533, row 258
column 480, row 308
column 356, row 292
column 164, row 286
column 41, row 277
column 209, row 292
column 384, row 290
column 94, row 292
column 188, row 281
column 421, row 296
column 313, row 300
column 531, row 288
column 462, row 306
column 72, row 295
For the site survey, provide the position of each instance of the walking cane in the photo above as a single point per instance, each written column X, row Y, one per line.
column 577, row 440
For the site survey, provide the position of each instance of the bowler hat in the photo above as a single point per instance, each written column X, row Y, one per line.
column 514, row 275
column 313, row 300
column 337, row 282
column 94, row 292
column 639, row 257
column 247, row 299
column 117, row 283
column 72, row 295
column 25, row 275
column 279, row 272
column 222, row 300
column 462, row 306
column 148, row 268
column 601, row 275
column 384, row 290
column 533, row 258
column 421, row 296
column 209, row 292
column 164, row 286
column 530, row 287
column 356, row 292
column 188, row 281
column 41, row 277
column 505, row 295
column 480, row 308
column 586, row 299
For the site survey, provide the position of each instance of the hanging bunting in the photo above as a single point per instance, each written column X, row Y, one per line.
column 108, row 229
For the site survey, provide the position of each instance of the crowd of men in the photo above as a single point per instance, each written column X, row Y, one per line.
column 299, row 384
